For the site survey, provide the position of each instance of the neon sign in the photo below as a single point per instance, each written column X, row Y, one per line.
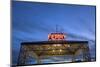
column 56, row 36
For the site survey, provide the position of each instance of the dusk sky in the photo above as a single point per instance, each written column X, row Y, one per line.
column 33, row 21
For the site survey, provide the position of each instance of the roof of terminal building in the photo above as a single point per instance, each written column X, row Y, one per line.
column 53, row 42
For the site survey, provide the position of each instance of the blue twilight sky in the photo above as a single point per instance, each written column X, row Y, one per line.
column 33, row 21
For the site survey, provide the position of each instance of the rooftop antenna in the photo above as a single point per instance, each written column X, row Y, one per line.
column 59, row 29
column 56, row 28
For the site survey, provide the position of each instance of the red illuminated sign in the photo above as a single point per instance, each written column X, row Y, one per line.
column 56, row 36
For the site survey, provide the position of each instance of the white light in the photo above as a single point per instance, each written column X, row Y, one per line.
column 55, row 45
column 68, row 46
column 60, row 50
column 53, row 50
column 58, row 44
